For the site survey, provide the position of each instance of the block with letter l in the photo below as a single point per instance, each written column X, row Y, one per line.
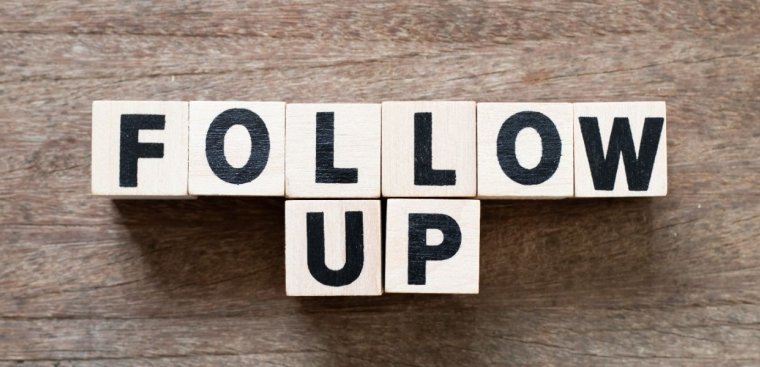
column 429, row 149
column 332, row 150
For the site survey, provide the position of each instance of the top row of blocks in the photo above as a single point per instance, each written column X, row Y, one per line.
column 429, row 149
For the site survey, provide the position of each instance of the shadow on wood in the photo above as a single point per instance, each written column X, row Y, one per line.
column 221, row 255
column 549, row 252
column 223, row 258
column 228, row 252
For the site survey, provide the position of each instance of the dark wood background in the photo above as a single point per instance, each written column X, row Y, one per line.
column 86, row 281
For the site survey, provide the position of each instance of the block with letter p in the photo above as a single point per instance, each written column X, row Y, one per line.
column 432, row 246
column 139, row 149
column 628, row 133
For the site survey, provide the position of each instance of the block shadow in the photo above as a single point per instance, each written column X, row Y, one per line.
column 212, row 253
column 227, row 255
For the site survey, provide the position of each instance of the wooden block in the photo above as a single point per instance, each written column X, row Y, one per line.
column 237, row 148
column 139, row 149
column 333, row 248
column 332, row 150
column 525, row 150
column 432, row 246
column 429, row 149
column 620, row 149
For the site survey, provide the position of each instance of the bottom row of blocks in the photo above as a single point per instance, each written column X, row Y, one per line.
column 334, row 247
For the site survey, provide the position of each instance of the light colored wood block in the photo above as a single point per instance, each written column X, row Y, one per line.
column 432, row 246
column 442, row 163
column 635, row 164
column 525, row 150
column 333, row 248
column 139, row 149
column 332, row 150
column 237, row 148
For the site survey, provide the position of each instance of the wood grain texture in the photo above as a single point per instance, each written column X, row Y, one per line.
column 663, row 281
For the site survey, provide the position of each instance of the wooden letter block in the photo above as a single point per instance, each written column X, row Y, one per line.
column 237, row 148
column 611, row 135
column 525, row 150
column 333, row 248
column 139, row 149
column 429, row 149
column 332, row 150
column 432, row 246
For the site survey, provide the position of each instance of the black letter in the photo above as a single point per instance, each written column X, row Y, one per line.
column 131, row 150
column 638, row 171
column 420, row 252
column 551, row 150
column 315, row 250
column 259, row 146
column 326, row 172
column 424, row 174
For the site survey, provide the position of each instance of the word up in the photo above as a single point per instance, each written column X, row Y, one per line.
column 453, row 152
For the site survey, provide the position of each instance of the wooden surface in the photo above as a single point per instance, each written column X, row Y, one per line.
column 87, row 281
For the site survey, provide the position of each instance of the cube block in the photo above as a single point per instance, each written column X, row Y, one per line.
column 432, row 246
column 429, row 149
column 237, row 148
column 333, row 150
column 333, row 247
column 139, row 149
column 525, row 150
column 620, row 149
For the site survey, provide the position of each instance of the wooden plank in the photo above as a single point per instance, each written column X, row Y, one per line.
column 663, row 281
column 456, row 22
